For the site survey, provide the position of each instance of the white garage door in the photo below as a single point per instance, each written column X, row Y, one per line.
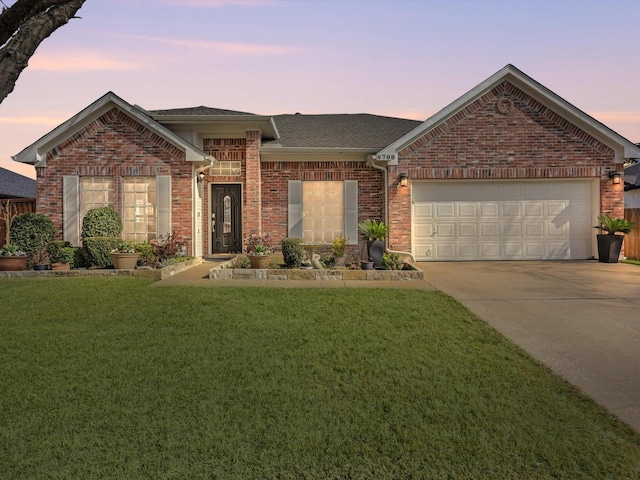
column 502, row 220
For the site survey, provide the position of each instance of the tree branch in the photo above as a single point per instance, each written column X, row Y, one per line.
column 23, row 27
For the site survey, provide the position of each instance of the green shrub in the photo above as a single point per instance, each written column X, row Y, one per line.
column 148, row 255
column 61, row 252
column 31, row 230
column 101, row 222
column 292, row 252
column 80, row 258
column 98, row 250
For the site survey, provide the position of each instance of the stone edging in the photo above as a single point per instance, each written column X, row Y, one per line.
column 220, row 273
column 158, row 274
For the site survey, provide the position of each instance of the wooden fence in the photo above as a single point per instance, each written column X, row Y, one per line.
column 10, row 207
column 632, row 240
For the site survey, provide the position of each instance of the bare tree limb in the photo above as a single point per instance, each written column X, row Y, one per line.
column 23, row 27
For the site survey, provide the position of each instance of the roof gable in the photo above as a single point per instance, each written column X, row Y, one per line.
column 36, row 153
column 622, row 147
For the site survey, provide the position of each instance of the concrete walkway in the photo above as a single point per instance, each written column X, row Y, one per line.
column 582, row 319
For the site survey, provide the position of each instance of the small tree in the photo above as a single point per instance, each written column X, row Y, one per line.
column 8, row 210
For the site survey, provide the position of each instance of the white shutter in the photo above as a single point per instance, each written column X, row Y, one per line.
column 295, row 209
column 70, row 210
column 351, row 211
column 163, row 187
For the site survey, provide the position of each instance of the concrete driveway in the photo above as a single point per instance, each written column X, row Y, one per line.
column 582, row 319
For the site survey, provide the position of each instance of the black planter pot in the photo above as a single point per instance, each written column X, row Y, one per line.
column 609, row 247
column 375, row 248
column 41, row 267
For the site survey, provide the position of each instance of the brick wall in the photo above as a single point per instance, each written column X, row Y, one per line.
column 118, row 146
column 275, row 177
column 505, row 134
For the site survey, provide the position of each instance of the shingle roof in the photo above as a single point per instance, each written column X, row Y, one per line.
column 201, row 110
column 340, row 130
column 632, row 176
column 14, row 185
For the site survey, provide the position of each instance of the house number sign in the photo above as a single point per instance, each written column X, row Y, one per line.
column 385, row 157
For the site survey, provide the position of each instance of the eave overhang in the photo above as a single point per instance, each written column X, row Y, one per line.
column 221, row 124
column 36, row 153
column 623, row 148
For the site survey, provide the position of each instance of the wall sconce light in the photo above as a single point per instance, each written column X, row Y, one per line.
column 200, row 177
column 403, row 179
column 615, row 177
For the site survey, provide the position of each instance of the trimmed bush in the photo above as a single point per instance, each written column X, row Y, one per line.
column 61, row 252
column 80, row 259
column 292, row 252
column 31, row 230
column 101, row 222
column 98, row 250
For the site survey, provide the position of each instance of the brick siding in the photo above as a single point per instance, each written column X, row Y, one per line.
column 118, row 146
column 505, row 134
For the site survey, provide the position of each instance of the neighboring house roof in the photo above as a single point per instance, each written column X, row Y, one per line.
column 341, row 131
column 14, row 185
column 622, row 147
column 36, row 153
column 632, row 177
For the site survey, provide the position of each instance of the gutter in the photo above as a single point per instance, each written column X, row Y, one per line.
column 371, row 162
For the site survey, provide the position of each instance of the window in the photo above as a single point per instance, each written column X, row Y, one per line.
column 140, row 213
column 319, row 211
column 229, row 169
column 323, row 211
column 95, row 192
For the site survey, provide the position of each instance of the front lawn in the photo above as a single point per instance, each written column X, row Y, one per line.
column 111, row 378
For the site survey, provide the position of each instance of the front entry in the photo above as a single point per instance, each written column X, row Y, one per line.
column 226, row 219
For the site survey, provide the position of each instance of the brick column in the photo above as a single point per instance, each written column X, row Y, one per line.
column 252, row 209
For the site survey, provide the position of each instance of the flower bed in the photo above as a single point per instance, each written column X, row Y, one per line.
column 221, row 273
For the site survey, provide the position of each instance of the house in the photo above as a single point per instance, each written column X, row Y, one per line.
column 507, row 171
column 632, row 185
column 14, row 185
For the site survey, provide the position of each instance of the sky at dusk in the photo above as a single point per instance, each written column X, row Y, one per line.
column 399, row 58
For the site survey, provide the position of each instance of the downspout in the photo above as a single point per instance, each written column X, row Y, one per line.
column 371, row 162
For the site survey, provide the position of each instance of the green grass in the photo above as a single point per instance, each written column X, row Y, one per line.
column 113, row 378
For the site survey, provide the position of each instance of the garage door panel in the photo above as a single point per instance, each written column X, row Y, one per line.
column 490, row 250
column 467, row 210
column 533, row 209
column 512, row 250
column 534, row 229
column 468, row 251
column 446, row 251
column 468, row 230
column 490, row 210
column 446, row 230
column 511, row 210
column 511, row 229
column 502, row 220
column 445, row 210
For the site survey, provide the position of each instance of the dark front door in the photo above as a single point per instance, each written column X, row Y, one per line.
column 226, row 219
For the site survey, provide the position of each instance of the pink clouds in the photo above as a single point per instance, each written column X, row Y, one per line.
column 78, row 62
column 223, row 47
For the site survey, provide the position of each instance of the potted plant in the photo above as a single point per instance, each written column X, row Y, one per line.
column 259, row 250
column 12, row 259
column 338, row 248
column 610, row 244
column 374, row 233
column 61, row 255
column 40, row 258
column 125, row 256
